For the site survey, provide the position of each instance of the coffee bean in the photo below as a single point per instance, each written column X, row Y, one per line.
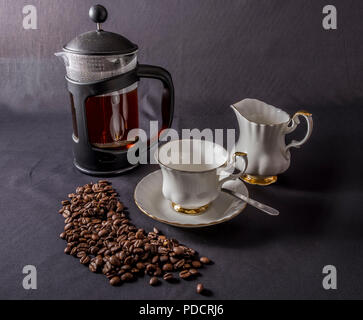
column 102, row 251
column 107, row 268
column 93, row 250
column 99, row 233
column 121, row 255
column 194, row 272
column 84, row 233
column 158, row 272
column 95, row 237
column 205, row 260
column 167, row 267
column 179, row 264
column 174, row 260
column 138, row 251
column 200, row 288
column 115, row 281
column 68, row 226
column 162, row 250
column 139, row 235
column 145, row 256
column 154, row 281
column 196, row 264
column 117, row 222
column 98, row 261
column 74, row 251
column 127, row 277
column 185, row 274
column 140, row 266
column 81, row 254
column 115, row 261
column 178, row 251
column 85, row 260
column 83, row 246
column 67, row 250
column 126, row 267
column 129, row 260
column 150, row 268
column 102, row 233
column 168, row 276
column 135, row 270
column 92, row 267
column 120, row 206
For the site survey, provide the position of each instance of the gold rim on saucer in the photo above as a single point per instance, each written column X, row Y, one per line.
column 185, row 225
column 180, row 209
column 259, row 180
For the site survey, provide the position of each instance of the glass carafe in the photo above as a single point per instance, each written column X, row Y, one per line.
column 98, row 56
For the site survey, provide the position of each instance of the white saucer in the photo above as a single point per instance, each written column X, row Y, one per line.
column 150, row 200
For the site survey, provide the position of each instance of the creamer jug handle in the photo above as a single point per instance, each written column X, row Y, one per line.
column 295, row 122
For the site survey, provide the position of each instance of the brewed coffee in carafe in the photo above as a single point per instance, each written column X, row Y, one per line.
column 110, row 118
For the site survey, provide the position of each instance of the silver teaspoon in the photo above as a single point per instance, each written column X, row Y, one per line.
column 254, row 203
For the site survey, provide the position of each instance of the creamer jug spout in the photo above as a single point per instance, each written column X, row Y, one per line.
column 236, row 111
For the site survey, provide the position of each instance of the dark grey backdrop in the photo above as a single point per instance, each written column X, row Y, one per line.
column 218, row 52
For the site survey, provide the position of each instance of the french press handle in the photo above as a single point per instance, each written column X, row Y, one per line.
column 168, row 97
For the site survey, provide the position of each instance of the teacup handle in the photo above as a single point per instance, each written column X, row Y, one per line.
column 234, row 176
column 295, row 122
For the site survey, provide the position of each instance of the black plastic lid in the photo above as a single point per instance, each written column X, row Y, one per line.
column 99, row 42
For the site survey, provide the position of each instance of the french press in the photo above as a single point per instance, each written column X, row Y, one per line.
column 102, row 79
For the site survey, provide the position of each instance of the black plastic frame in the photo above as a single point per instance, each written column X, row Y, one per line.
column 106, row 162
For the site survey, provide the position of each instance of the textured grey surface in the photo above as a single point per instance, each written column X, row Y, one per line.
column 218, row 53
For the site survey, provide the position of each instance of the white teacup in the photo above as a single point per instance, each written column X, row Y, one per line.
column 194, row 172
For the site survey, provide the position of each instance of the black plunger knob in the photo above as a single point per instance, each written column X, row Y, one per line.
column 98, row 13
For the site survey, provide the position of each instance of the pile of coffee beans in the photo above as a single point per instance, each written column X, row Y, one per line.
column 101, row 236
